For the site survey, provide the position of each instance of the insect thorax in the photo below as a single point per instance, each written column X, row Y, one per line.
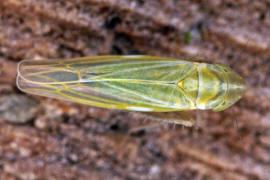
column 206, row 85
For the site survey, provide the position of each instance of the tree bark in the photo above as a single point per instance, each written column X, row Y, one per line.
column 68, row 141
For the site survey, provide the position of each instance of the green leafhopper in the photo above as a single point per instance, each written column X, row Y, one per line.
column 135, row 83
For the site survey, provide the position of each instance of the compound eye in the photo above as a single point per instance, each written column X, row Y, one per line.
column 221, row 106
column 224, row 68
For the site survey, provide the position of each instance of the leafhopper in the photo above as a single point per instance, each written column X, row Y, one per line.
column 135, row 83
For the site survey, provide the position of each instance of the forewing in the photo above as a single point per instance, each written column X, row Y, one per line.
column 140, row 83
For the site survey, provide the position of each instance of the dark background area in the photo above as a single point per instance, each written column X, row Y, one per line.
column 42, row 138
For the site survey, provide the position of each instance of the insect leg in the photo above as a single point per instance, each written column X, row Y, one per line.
column 180, row 117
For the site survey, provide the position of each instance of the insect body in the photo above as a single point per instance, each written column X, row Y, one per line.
column 137, row 83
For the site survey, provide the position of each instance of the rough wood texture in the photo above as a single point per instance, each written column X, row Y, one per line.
column 70, row 141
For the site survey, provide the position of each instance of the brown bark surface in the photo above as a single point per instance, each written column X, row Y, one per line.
column 42, row 138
